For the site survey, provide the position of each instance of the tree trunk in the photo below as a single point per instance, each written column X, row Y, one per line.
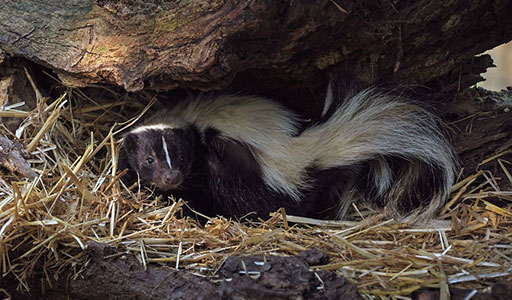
column 257, row 45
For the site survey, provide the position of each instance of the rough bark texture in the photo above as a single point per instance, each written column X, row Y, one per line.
column 482, row 127
column 111, row 276
column 257, row 45
column 12, row 157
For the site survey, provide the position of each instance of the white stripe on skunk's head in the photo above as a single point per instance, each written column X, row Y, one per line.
column 161, row 155
column 151, row 127
column 166, row 151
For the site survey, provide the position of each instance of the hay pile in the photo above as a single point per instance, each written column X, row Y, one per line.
column 77, row 197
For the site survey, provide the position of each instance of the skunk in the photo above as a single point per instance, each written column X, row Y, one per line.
column 232, row 155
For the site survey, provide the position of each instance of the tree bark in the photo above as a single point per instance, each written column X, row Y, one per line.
column 112, row 276
column 482, row 127
column 257, row 45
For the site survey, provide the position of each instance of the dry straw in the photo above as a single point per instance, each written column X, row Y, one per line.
column 77, row 197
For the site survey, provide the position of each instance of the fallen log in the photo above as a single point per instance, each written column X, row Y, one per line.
column 260, row 46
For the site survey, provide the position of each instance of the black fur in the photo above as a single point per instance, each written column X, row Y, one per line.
column 187, row 155
column 219, row 176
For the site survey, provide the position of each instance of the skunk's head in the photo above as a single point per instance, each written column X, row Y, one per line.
column 161, row 156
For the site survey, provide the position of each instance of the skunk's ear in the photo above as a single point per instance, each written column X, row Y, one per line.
column 130, row 141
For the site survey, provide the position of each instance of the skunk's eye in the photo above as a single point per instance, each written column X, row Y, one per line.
column 182, row 158
column 150, row 160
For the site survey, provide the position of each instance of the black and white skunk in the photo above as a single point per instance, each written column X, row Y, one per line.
column 233, row 155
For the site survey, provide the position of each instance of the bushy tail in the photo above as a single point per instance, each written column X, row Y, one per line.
column 404, row 159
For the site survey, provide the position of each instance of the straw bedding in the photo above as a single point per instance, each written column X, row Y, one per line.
column 77, row 197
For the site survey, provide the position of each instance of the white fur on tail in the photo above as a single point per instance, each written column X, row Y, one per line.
column 372, row 125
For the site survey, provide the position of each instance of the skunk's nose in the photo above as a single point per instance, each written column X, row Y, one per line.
column 168, row 180
column 172, row 177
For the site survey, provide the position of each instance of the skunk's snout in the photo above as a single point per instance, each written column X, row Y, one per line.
column 172, row 177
